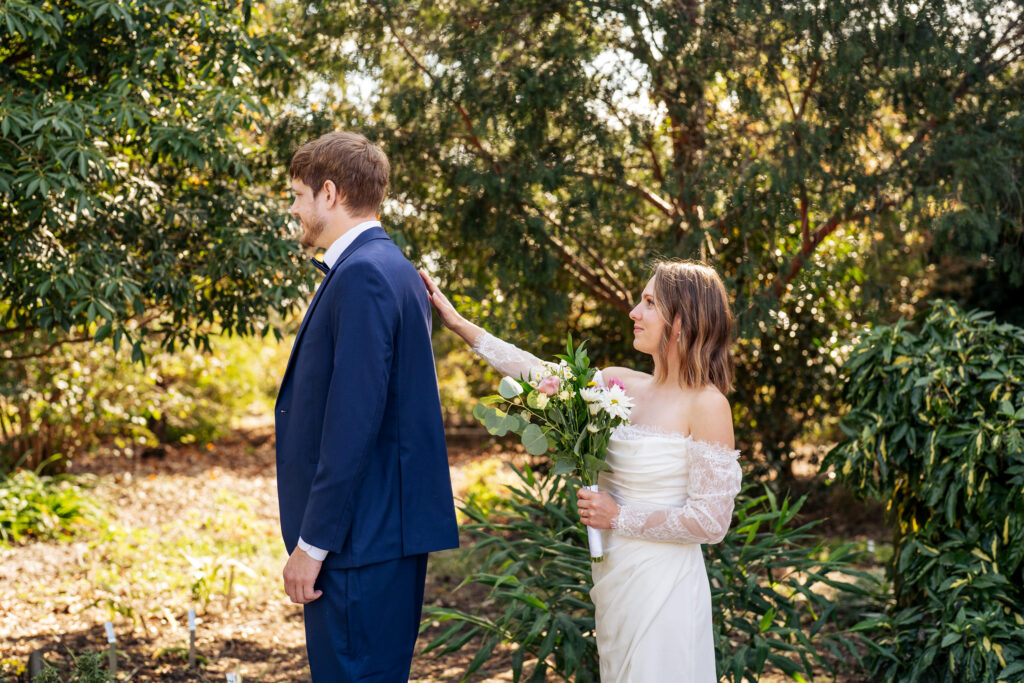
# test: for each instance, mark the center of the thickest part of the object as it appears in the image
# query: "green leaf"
(950, 638)
(534, 441)
(563, 465)
(509, 388)
(103, 332)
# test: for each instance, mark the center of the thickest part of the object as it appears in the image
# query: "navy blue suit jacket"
(362, 468)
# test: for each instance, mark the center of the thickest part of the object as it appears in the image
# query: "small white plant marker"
(191, 639)
(111, 648)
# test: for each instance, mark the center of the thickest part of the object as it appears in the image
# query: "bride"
(673, 480)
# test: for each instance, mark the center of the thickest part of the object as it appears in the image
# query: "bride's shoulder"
(630, 378)
(711, 417)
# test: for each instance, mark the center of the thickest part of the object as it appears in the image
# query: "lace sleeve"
(715, 478)
(506, 358)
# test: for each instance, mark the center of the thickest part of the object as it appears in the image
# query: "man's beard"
(311, 231)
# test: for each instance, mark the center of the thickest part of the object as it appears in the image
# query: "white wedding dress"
(651, 595)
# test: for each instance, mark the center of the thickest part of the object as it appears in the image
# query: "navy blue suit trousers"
(364, 626)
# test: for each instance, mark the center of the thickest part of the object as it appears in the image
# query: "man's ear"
(331, 194)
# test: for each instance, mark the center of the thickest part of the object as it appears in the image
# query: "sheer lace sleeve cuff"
(715, 479)
(504, 357)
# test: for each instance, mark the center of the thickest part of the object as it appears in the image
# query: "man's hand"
(300, 574)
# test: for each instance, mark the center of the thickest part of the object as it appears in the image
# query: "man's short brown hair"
(358, 168)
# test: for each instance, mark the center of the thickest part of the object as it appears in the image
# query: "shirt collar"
(339, 246)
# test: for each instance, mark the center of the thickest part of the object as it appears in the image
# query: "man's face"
(310, 212)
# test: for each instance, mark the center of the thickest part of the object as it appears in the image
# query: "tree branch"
(808, 88)
(51, 347)
(16, 58)
(819, 235)
(458, 107)
(649, 144)
(658, 202)
(618, 299)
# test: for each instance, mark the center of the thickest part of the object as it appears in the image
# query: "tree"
(128, 206)
(545, 152)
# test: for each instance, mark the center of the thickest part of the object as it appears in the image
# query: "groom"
(362, 470)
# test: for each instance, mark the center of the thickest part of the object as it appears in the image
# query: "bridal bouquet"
(561, 408)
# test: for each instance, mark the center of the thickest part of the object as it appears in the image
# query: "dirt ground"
(48, 600)
(52, 596)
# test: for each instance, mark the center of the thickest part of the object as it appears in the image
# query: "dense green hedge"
(935, 432)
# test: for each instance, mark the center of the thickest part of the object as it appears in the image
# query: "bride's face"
(648, 325)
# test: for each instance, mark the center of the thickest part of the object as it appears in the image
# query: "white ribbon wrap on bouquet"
(594, 538)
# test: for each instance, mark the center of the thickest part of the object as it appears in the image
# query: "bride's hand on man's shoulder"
(449, 316)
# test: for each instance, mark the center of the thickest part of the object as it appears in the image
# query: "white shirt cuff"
(314, 552)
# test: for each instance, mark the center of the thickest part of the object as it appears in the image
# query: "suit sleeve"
(364, 315)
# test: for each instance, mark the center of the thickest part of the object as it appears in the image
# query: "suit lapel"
(363, 238)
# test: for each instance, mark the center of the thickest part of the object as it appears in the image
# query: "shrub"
(934, 431)
(87, 667)
(79, 397)
(42, 507)
(778, 593)
(536, 564)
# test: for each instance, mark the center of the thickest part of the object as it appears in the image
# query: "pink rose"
(616, 382)
(549, 385)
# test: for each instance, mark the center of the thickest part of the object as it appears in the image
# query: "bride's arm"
(502, 356)
(714, 482)
(715, 479)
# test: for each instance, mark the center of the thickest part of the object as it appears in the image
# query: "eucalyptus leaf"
(534, 440)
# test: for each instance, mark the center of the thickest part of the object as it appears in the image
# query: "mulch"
(47, 601)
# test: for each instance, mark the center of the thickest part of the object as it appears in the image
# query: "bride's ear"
(677, 329)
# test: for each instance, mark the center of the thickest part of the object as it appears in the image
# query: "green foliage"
(935, 430)
(87, 667)
(42, 507)
(214, 548)
(778, 594)
(77, 398)
(770, 591)
(536, 563)
(461, 377)
(127, 201)
(545, 152)
(484, 484)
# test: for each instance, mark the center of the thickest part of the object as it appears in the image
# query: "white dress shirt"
(339, 246)
(331, 257)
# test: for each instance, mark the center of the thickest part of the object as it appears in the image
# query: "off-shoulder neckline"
(640, 431)
(651, 430)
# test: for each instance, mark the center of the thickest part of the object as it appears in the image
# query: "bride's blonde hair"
(693, 293)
